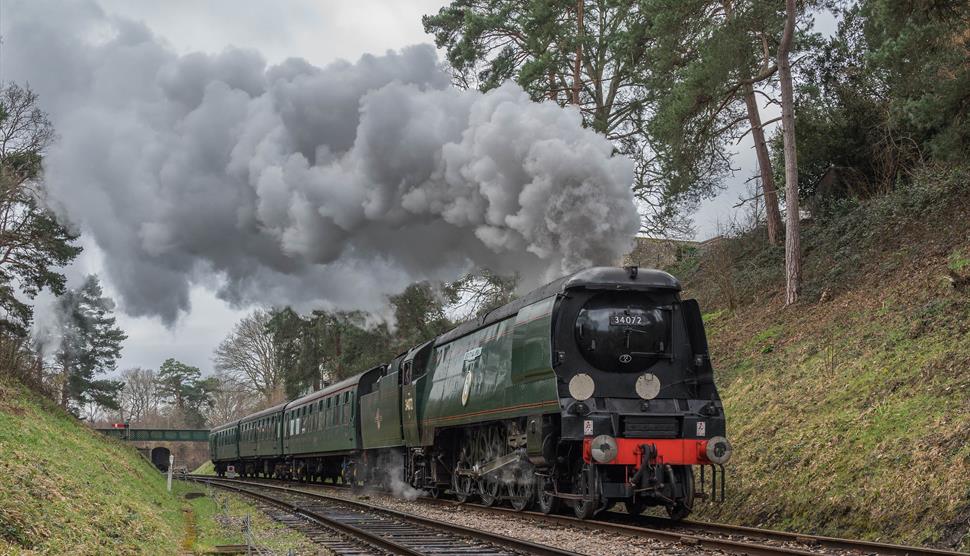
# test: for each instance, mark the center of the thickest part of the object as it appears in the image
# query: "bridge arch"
(159, 457)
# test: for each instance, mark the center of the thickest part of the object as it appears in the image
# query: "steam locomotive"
(594, 389)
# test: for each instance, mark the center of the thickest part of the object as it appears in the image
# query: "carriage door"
(413, 375)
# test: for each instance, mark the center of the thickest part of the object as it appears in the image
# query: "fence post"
(171, 463)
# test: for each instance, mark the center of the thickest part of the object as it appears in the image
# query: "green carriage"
(319, 431)
(260, 444)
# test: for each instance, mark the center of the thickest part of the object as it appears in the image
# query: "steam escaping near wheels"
(301, 185)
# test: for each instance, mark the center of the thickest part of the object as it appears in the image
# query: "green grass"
(855, 421)
(850, 411)
(221, 517)
(205, 469)
(65, 489)
(959, 262)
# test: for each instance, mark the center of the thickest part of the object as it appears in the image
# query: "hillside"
(67, 489)
(849, 411)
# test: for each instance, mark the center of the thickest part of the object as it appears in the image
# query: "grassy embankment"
(850, 412)
(205, 469)
(66, 489)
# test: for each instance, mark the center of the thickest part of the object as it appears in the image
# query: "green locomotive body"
(500, 371)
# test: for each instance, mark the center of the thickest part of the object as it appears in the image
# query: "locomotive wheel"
(520, 491)
(462, 485)
(683, 506)
(489, 490)
(586, 486)
(548, 502)
(492, 445)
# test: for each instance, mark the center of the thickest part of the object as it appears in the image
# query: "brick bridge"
(189, 446)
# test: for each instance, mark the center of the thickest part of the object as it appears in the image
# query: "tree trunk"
(764, 166)
(793, 263)
(579, 51)
(338, 352)
(65, 391)
(761, 148)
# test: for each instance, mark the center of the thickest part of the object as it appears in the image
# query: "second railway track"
(369, 529)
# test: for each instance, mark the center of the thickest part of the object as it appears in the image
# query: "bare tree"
(249, 355)
(477, 293)
(793, 265)
(230, 401)
(139, 398)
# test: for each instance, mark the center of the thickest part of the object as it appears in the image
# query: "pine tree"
(591, 55)
(184, 388)
(34, 246)
(90, 344)
(711, 62)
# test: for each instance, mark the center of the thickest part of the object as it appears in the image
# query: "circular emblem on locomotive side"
(626, 358)
(581, 387)
(466, 389)
(648, 386)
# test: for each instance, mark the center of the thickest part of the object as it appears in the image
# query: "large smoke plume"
(297, 184)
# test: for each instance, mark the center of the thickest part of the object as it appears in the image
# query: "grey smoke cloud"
(295, 184)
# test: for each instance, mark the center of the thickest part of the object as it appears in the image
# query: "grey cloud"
(313, 186)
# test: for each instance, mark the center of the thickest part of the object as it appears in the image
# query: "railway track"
(708, 536)
(729, 538)
(350, 527)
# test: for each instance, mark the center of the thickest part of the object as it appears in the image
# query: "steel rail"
(710, 543)
(685, 532)
(511, 543)
(634, 524)
(786, 536)
(355, 533)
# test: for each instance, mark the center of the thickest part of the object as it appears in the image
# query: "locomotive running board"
(492, 466)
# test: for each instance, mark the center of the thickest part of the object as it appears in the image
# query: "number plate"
(620, 319)
(588, 427)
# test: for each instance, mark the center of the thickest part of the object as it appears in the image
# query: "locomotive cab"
(640, 410)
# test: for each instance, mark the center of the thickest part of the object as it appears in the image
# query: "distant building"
(649, 252)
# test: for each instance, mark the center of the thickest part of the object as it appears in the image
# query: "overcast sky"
(319, 31)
